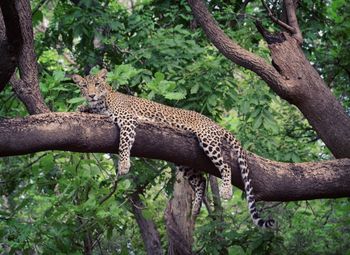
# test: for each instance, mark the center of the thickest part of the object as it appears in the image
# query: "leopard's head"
(93, 87)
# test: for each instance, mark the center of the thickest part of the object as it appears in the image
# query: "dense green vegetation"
(51, 200)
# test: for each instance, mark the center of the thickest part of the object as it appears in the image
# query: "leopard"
(127, 111)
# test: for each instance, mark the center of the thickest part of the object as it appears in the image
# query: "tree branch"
(292, 20)
(277, 21)
(27, 87)
(148, 229)
(10, 40)
(292, 77)
(272, 181)
(236, 53)
(38, 6)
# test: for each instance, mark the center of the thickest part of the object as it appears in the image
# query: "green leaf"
(58, 76)
(47, 162)
(159, 76)
(257, 122)
(37, 18)
(76, 100)
(175, 95)
(245, 106)
(194, 88)
(147, 214)
(295, 158)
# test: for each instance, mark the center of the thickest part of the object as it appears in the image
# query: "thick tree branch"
(273, 181)
(10, 40)
(292, 77)
(236, 53)
(27, 87)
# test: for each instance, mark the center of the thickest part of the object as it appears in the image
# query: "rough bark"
(27, 87)
(179, 223)
(88, 249)
(292, 77)
(214, 186)
(312, 97)
(10, 40)
(272, 181)
(292, 19)
(147, 227)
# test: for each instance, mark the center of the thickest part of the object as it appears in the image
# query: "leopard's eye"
(84, 85)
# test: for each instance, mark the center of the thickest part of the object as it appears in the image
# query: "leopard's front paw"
(83, 108)
(123, 167)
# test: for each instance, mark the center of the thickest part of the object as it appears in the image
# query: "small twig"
(158, 193)
(114, 188)
(241, 13)
(327, 215)
(271, 206)
(99, 246)
(36, 160)
(38, 6)
(290, 29)
(244, 4)
(207, 205)
(312, 210)
(69, 59)
(135, 196)
(100, 167)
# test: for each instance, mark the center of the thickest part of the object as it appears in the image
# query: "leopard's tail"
(242, 162)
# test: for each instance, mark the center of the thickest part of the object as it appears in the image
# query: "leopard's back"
(149, 111)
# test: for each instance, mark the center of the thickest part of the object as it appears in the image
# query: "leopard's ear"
(103, 73)
(77, 79)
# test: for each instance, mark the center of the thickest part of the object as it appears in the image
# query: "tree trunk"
(10, 40)
(148, 229)
(312, 97)
(88, 245)
(27, 87)
(179, 223)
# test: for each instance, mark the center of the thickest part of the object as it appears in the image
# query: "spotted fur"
(197, 183)
(127, 111)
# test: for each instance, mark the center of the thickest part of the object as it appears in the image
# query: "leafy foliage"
(52, 201)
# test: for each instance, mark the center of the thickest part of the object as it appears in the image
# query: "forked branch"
(27, 86)
(236, 53)
(277, 21)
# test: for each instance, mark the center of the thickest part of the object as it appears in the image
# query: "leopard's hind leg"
(211, 145)
(197, 183)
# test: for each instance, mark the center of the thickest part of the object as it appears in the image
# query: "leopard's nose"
(92, 95)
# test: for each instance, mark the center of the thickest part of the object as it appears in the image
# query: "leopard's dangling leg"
(211, 145)
(197, 183)
(127, 125)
